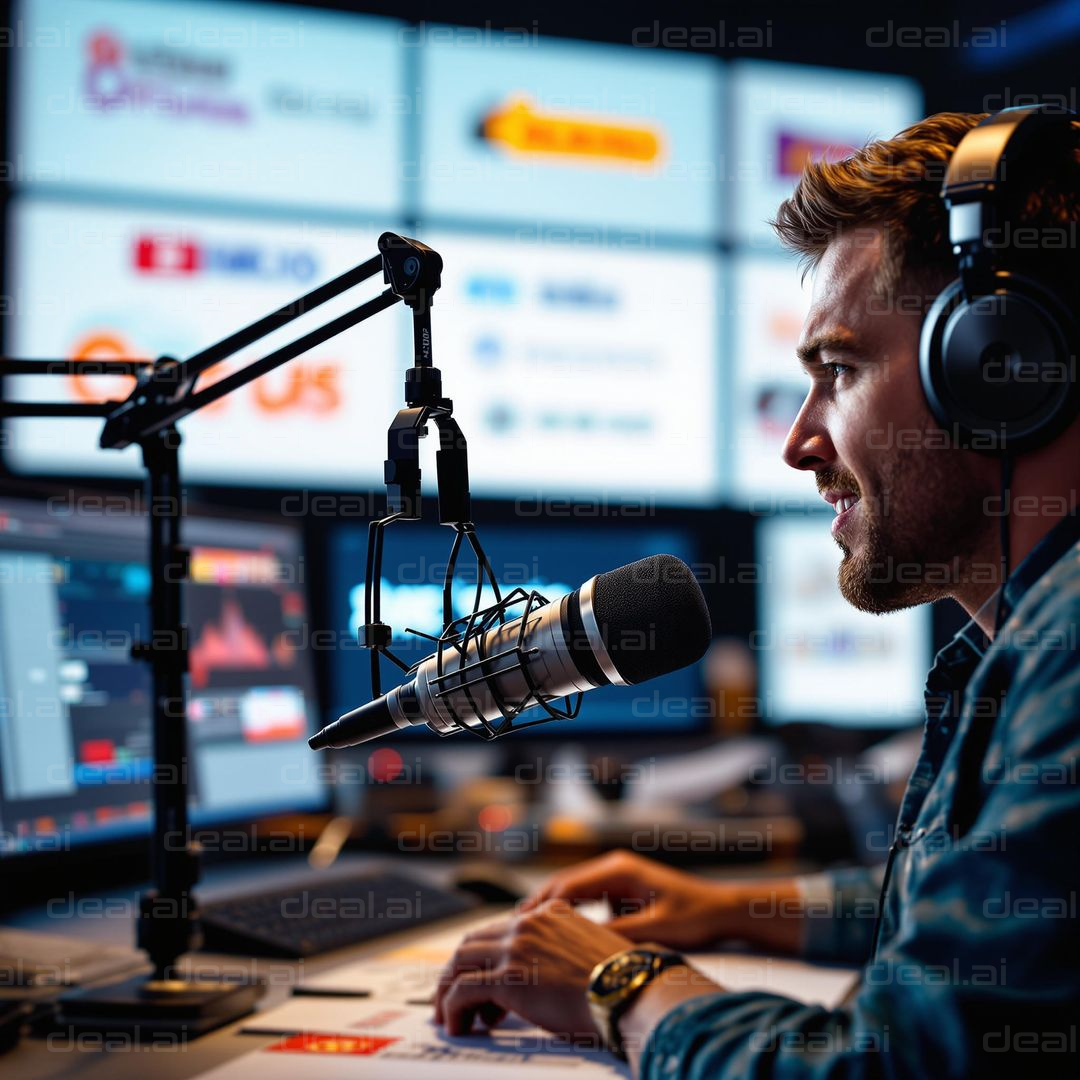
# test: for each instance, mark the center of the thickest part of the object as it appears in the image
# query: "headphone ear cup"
(931, 364)
(998, 371)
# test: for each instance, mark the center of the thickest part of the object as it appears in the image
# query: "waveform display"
(230, 642)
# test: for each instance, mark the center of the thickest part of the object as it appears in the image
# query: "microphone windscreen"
(652, 616)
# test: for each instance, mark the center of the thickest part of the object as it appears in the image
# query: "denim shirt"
(976, 965)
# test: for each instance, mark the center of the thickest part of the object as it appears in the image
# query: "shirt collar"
(1041, 557)
(953, 667)
(956, 662)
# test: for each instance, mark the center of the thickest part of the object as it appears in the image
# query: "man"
(975, 958)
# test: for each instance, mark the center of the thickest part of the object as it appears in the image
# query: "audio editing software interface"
(76, 755)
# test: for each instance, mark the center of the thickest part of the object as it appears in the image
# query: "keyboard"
(316, 916)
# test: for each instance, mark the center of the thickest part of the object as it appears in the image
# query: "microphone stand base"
(146, 1007)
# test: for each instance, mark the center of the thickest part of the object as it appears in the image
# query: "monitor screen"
(789, 114)
(819, 658)
(582, 371)
(187, 167)
(523, 129)
(257, 106)
(552, 560)
(574, 370)
(76, 755)
(114, 282)
(768, 384)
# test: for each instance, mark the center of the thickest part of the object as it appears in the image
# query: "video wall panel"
(257, 105)
(580, 370)
(769, 304)
(535, 131)
(820, 659)
(102, 282)
(788, 114)
(270, 144)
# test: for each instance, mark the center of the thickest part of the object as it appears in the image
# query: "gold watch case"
(616, 981)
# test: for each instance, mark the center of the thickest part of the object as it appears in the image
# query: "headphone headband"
(998, 348)
(976, 182)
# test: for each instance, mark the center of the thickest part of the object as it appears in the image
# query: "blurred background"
(616, 328)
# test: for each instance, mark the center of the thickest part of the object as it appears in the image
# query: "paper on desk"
(392, 984)
(323, 1037)
(402, 981)
(395, 1040)
(792, 978)
(410, 973)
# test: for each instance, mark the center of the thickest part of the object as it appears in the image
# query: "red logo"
(315, 1043)
(166, 255)
(105, 49)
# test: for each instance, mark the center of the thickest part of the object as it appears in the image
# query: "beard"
(919, 527)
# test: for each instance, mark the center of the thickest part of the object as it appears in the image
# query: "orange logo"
(519, 128)
(94, 388)
(311, 387)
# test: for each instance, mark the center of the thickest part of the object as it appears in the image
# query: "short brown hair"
(896, 184)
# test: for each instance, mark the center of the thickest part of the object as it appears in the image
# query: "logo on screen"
(521, 129)
(180, 255)
(163, 80)
(303, 387)
(795, 152)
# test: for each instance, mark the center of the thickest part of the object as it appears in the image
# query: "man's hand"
(649, 901)
(536, 964)
(653, 902)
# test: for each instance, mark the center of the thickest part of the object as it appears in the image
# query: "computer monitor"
(76, 754)
(582, 371)
(553, 560)
(768, 385)
(820, 659)
(222, 159)
(789, 114)
(135, 282)
(590, 135)
(575, 370)
(268, 106)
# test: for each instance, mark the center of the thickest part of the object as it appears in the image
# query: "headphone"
(998, 348)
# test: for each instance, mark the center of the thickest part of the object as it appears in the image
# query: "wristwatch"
(616, 982)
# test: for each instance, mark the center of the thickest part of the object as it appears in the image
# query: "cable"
(1006, 482)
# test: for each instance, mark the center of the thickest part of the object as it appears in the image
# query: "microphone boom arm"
(165, 392)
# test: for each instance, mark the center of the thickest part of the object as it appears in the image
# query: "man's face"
(865, 431)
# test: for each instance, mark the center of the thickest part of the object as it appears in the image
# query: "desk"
(93, 1058)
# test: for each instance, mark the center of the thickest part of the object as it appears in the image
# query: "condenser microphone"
(621, 628)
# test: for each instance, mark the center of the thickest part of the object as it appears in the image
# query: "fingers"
(488, 949)
(640, 927)
(474, 993)
(471, 956)
(614, 875)
(497, 928)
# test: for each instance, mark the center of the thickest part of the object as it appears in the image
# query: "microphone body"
(620, 628)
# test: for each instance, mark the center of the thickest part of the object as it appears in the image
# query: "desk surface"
(93, 1056)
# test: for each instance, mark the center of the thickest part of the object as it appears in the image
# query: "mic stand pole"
(164, 935)
(165, 392)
